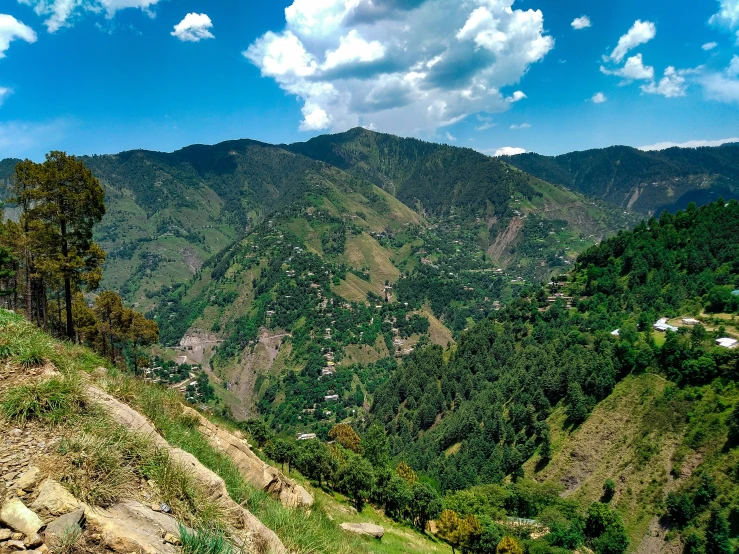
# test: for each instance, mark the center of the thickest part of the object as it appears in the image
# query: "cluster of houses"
(663, 326)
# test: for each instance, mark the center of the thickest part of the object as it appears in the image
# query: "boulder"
(368, 529)
(33, 541)
(251, 467)
(130, 526)
(67, 524)
(29, 479)
(17, 516)
(54, 500)
(5, 534)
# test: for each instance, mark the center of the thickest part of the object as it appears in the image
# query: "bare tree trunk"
(28, 284)
(67, 283)
(42, 299)
(59, 310)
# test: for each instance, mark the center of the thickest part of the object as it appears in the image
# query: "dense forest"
(648, 182)
(435, 177)
(491, 399)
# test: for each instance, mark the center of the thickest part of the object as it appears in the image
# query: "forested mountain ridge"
(648, 182)
(170, 212)
(523, 384)
(432, 177)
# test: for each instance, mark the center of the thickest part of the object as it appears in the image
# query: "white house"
(690, 321)
(663, 326)
(727, 342)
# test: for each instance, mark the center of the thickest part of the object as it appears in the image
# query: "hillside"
(245, 253)
(571, 386)
(167, 213)
(646, 182)
(96, 461)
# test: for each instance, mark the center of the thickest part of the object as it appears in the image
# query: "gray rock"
(17, 516)
(67, 524)
(368, 529)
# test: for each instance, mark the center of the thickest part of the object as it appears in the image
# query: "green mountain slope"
(549, 391)
(647, 182)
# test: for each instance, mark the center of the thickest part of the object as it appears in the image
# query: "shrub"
(508, 545)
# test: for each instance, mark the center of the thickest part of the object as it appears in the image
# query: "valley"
(477, 343)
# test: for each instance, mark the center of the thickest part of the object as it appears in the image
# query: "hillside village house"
(727, 342)
(663, 326)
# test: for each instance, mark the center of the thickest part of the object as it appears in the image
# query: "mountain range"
(487, 322)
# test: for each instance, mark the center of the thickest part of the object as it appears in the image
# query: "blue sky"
(550, 76)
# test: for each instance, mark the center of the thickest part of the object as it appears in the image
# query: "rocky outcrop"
(130, 419)
(368, 529)
(254, 470)
(132, 527)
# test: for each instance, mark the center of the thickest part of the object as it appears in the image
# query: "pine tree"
(717, 534)
(65, 201)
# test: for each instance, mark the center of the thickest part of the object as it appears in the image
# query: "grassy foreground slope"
(44, 392)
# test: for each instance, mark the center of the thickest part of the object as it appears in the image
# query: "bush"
(508, 545)
(609, 490)
(680, 509)
(613, 541)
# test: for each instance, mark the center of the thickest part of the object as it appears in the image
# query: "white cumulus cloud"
(522, 126)
(409, 66)
(11, 29)
(509, 151)
(193, 28)
(633, 70)
(688, 144)
(516, 96)
(727, 16)
(60, 13)
(709, 46)
(599, 98)
(640, 33)
(723, 86)
(671, 85)
(580, 23)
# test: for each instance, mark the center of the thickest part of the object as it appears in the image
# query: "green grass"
(204, 541)
(51, 401)
(301, 531)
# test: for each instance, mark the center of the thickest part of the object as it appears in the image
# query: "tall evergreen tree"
(717, 534)
(66, 200)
